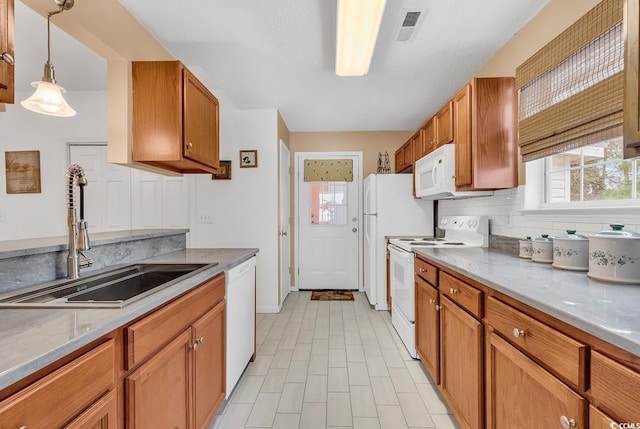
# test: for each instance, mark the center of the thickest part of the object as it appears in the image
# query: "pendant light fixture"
(48, 99)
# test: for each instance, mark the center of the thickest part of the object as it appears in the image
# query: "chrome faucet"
(78, 233)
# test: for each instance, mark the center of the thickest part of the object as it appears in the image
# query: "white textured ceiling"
(281, 54)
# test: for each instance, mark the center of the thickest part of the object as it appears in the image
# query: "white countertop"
(30, 339)
(605, 310)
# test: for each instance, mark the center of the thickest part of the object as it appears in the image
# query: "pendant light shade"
(48, 99)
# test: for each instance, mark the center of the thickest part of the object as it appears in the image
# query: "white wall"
(507, 219)
(44, 214)
(243, 212)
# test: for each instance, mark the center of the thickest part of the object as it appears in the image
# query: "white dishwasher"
(241, 316)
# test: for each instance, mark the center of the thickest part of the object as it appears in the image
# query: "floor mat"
(332, 295)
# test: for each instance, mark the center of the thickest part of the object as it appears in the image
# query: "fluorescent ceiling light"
(358, 25)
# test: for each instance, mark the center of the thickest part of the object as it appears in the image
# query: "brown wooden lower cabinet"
(520, 393)
(428, 327)
(209, 370)
(599, 420)
(183, 384)
(101, 415)
(63, 395)
(158, 392)
(461, 364)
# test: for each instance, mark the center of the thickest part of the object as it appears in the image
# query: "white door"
(328, 220)
(108, 194)
(285, 222)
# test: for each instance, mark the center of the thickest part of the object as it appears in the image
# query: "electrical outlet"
(1, 217)
(509, 219)
(205, 218)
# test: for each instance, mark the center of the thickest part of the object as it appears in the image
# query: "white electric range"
(460, 232)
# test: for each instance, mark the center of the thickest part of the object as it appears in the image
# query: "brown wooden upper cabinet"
(485, 134)
(428, 138)
(175, 119)
(443, 125)
(404, 157)
(7, 48)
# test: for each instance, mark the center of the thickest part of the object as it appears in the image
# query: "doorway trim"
(296, 203)
(284, 220)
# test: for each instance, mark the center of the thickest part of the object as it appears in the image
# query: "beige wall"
(370, 143)
(552, 20)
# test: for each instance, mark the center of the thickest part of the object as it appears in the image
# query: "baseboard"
(275, 309)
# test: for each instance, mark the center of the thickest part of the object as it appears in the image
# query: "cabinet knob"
(518, 333)
(189, 145)
(438, 307)
(432, 301)
(453, 291)
(8, 58)
(421, 270)
(200, 340)
(566, 422)
(194, 346)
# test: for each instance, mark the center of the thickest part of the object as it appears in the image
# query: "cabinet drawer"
(147, 335)
(466, 296)
(614, 388)
(427, 271)
(561, 354)
(60, 396)
(598, 420)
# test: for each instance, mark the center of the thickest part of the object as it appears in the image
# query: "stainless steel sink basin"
(114, 288)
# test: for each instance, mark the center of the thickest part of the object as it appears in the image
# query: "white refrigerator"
(389, 209)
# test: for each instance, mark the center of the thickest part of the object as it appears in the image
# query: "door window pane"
(328, 203)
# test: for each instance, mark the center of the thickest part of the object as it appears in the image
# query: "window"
(328, 203)
(592, 173)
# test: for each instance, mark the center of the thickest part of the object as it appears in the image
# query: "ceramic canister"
(526, 248)
(542, 249)
(614, 256)
(571, 251)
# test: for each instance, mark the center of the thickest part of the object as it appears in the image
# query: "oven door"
(401, 266)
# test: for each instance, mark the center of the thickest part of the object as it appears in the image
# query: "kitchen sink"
(114, 288)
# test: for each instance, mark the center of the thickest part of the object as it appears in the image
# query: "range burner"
(460, 231)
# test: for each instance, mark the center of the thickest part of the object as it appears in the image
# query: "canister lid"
(616, 232)
(526, 240)
(571, 235)
(543, 237)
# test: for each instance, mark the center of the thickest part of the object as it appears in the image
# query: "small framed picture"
(224, 171)
(248, 158)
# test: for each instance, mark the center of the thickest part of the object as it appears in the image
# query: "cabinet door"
(599, 420)
(428, 328)
(101, 415)
(408, 154)
(521, 393)
(209, 367)
(461, 364)
(444, 125)
(159, 391)
(428, 137)
(7, 71)
(462, 136)
(418, 145)
(200, 122)
(400, 159)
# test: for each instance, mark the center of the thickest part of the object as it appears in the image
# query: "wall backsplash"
(505, 217)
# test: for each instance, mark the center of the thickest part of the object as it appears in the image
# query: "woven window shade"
(328, 170)
(571, 91)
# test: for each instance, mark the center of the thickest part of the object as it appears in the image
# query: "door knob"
(283, 233)
(355, 219)
(354, 229)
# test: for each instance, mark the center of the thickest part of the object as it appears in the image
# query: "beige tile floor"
(332, 364)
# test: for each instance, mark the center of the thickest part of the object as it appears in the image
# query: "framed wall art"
(224, 171)
(248, 158)
(23, 172)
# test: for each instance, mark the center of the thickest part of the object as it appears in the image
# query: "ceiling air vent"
(410, 21)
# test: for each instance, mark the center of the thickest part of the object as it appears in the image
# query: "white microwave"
(435, 176)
